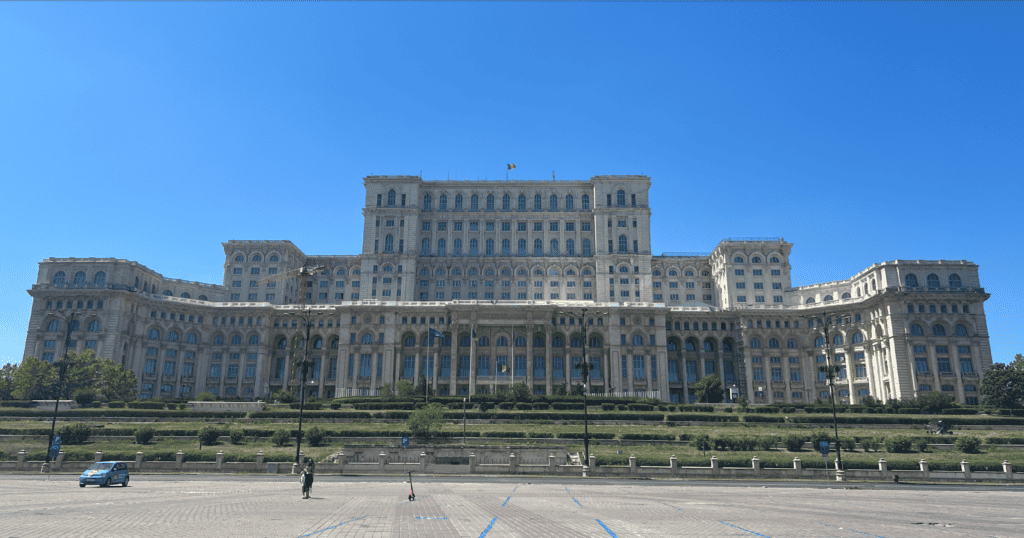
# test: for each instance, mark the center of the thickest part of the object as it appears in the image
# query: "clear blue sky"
(861, 132)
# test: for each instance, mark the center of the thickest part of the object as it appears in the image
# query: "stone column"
(924, 468)
(21, 459)
(60, 460)
(549, 362)
(382, 461)
(423, 462)
(593, 462)
(673, 465)
(883, 467)
(416, 364)
(965, 466)
(179, 459)
(529, 357)
(1008, 469)
(472, 463)
(756, 464)
(632, 464)
(259, 459)
(98, 456)
(472, 360)
(220, 460)
(513, 465)
(138, 461)
(714, 466)
(798, 467)
(553, 466)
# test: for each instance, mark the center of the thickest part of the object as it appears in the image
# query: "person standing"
(306, 478)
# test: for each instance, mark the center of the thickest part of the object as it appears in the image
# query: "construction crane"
(302, 273)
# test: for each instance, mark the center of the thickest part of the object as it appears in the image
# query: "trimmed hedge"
(649, 436)
(579, 435)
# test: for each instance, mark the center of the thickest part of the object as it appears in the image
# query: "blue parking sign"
(55, 447)
(405, 442)
(823, 447)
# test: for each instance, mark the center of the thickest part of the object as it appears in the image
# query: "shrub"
(701, 442)
(607, 406)
(766, 442)
(506, 405)
(523, 406)
(116, 405)
(542, 406)
(75, 434)
(794, 442)
(206, 397)
(315, 436)
(870, 443)
(237, 437)
(848, 443)
(485, 406)
(280, 438)
(208, 435)
(968, 444)
(898, 444)
(85, 397)
(144, 435)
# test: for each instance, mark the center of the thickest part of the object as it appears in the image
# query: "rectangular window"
(944, 366)
(794, 374)
(483, 365)
(776, 374)
(921, 365)
(741, 298)
(739, 272)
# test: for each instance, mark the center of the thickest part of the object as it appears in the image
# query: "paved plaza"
(270, 506)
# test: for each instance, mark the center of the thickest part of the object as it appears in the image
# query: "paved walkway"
(261, 506)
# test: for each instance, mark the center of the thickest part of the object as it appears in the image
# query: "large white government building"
(507, 270)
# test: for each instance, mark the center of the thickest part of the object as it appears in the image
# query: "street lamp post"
(831, 370)
(464, 421)
(63, 365)
(585, 367)
(304, 367)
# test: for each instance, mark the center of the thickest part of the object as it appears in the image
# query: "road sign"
(823, 447)
(55, 447)
(405, 442)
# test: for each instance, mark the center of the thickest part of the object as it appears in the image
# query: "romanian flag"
(475, 339)
(511, 166)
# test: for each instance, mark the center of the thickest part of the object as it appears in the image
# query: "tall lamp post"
(63, 364)
(584, 367)
(303, 366)
(831, 370)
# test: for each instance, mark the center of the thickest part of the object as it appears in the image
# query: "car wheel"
(106, 483)
(81, 484)
(125, 483)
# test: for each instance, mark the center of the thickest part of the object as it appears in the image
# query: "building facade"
(523, 279)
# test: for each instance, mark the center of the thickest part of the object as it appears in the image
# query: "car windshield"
(101, 466)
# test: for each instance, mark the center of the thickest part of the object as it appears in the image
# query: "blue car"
(105, 473)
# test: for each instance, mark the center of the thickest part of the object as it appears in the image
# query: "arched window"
(410, 340)
(522, 202)
(570, 247)
(203, 298)
(185, 295)
(688, 273)
(819, 341)
(672, 272)
(154, 334)
(442, 202)
(916, 330)
(773, 342)
(961, 330)
(94, 326)
(657, 272)
(709, 345)
(79, 278)
(100, 278)
(506, 202)
(74, 325)
(274, 258)
(846, 295)
(933, 281)
(727, 345)
(568, 202)
(622, 243)
(755, 259)
(426, 202)
(691, 345)
(521, 341)
(168, 293)
(828, 298)
(490, 247)
(334, 343)
(257, 258)
(191, 338)
(522, 247)
(595, 341)
(389, 243)
(506, 247)
(474, 246)
(872, 284)
(239, 258)
(553, 203)
(236, 340)
(282, 343)
(58, 279)
(810, 300)
(457, 247)
(638, 340)
(938, 330)
(367, 338)
(538, 341)
(537, 203)
(425, 247)
(910, 280)
(737, 259)
(672, 346)
(755, 343)
(474, 203)
(318, 343)
(585, 202)
(440, 247)
(585, 251)
(554, 247)
(857, 338)
(391, 198)
(172, 336)
(458, 202)
(791, 343)
(484, 341)
(620, 198)
(490, 202)
(254, 340)
(837, 339)
(538, 247)
(501, 341)
(557, 341)
(774, 259)
(954, 281)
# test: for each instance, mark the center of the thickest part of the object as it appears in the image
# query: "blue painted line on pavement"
(606, 528)
(432, 517)
(573, 498)
(488, 529)
(332, 527)
(506, 500)
(851, 530)
(744, 530)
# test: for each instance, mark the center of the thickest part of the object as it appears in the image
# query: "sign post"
(55, 447)
(823, 448)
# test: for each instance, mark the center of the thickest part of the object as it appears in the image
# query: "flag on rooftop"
(511, 166)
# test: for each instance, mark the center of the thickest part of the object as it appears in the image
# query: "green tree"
(405, 389)
(7, 381)
(426, 421)
(387, 393)
(1003, 384)
(577, 390)
(34, 380)
(521, 392)
(933, 402)
(708, 390)
(421, 386)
